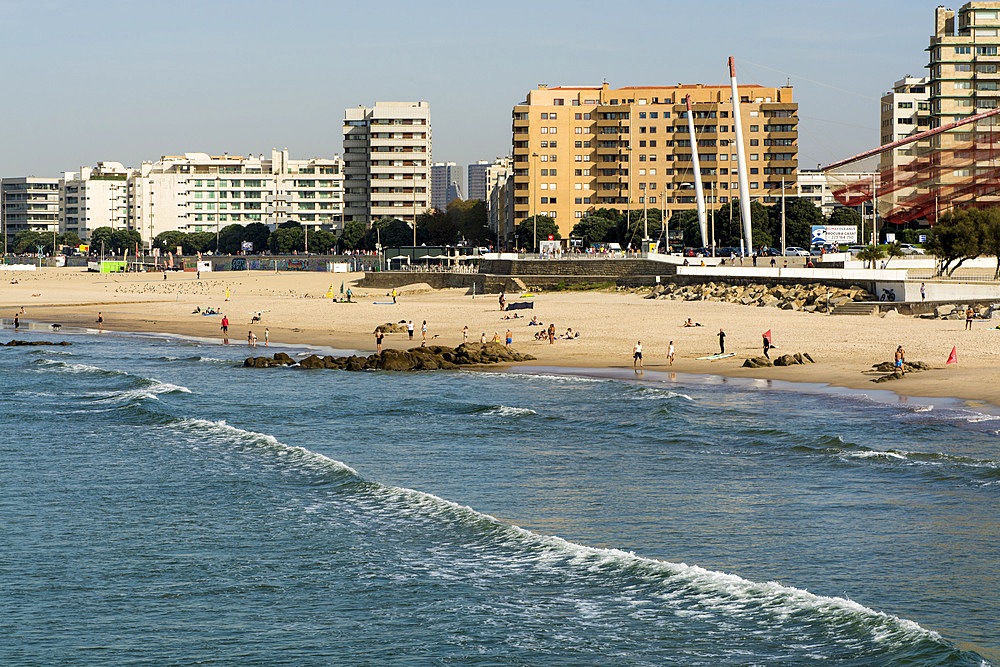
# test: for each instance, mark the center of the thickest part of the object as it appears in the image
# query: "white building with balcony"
(387, 153)
(198, 192)
(94, 197)
(28, 203)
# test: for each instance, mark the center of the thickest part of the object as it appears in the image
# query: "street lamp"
(531, 209)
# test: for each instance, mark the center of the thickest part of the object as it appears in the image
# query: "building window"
(986, 50)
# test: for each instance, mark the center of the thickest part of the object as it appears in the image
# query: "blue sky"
(132, 80)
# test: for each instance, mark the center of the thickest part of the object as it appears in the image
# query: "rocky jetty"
(19, 343)
(784, 360)
(430, 358)
(951, 311)
(809, 298)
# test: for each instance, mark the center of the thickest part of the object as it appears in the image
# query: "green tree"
(353, 234)
(27, 242)
(990, 240)
(800, 216)
(231, 238)
(101, 236)
(525, 230)
(471, 218)
(439, 228)
(893, 250)
(196, 242)
(285, 240)
(594, 229)
(956, 237)
(168, 241)
(125, 239)
(321, 241)
(256, 233)
(69, 239)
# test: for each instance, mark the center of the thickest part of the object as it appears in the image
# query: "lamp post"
(532, 209)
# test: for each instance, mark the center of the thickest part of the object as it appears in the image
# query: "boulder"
(944, 309)
(432, 357)
(20, 343)
(892, 312)
(787, 360)
(896, 375)
(757, 362)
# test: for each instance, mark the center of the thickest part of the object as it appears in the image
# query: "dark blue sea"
(160, 504)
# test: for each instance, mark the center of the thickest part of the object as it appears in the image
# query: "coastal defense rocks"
(893, 373)
(811, 298)
(19, 343)
(796, 359)
(430, 358)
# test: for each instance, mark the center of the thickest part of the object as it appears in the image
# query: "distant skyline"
(131, 81)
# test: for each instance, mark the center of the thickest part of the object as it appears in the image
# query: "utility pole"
(532, 209)
(782, 217)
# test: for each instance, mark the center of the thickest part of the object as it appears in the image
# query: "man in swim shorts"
(637, 354)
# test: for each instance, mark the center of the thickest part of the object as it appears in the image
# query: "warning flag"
(767, 335)
(953, 357)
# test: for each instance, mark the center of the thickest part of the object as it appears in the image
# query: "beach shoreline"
(296, 311)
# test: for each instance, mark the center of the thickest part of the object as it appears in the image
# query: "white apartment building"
(28, 203)
(199, 192)
(387, 154)
(94, 197)
(499, 197)
(906, 110)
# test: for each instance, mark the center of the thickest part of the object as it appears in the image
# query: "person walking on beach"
(409, 329)
(465, 334)
(349, 295)
(394, 295)
(637, 355)
(670, 353)
(503, 301)
(722, 341)
(378, 340)
(510, 338)
(423, 330)
(969, 316)
(267, 336)
(100, 322)
(767, 346)
(225, 326)
(898, 360)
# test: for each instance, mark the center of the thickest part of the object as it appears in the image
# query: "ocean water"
(160, 504)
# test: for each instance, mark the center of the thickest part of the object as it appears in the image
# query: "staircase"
(855, 308)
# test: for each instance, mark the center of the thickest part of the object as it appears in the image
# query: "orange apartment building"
(580, 148)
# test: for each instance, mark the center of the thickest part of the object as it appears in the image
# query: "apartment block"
(499, 197)
(906, 110)
(964, 80)
(29, 203)
(387, 154)
(94, 197)
(579, 148)
(446, 184)
(197, 192)
(477, 179)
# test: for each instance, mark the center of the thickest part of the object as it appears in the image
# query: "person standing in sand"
(409, 329)
(552, 333)
(423, 330)
(722, 341)
(267, 336)
(510, 338)
(378, 340)
(767, 346)
(465, 334)
(637, 355)
(969, 316)
(100, 322)
(670, 353)
(225, 326)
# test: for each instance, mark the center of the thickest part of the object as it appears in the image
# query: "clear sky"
(131, 80)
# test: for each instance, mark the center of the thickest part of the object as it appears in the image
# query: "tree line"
(609, 225)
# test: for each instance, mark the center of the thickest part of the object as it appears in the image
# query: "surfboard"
(714, 357)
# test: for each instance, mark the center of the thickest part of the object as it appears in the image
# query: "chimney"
(944, 21)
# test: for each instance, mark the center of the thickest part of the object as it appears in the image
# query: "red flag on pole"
(767, 335)
(953, 357)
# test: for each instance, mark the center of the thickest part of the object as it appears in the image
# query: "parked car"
(795, 251)
(910, 249)
(855, 249)
(821, 248)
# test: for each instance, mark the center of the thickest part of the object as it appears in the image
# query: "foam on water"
(507, 411)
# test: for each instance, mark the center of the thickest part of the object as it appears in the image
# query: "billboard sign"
(246, 246)
(834, 234)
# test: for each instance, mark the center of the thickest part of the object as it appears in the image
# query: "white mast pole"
(699, 195)
(741, 159)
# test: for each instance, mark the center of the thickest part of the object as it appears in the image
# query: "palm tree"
(893, 250)
(871, 254)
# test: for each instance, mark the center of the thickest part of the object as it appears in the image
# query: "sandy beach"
(295, 309)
